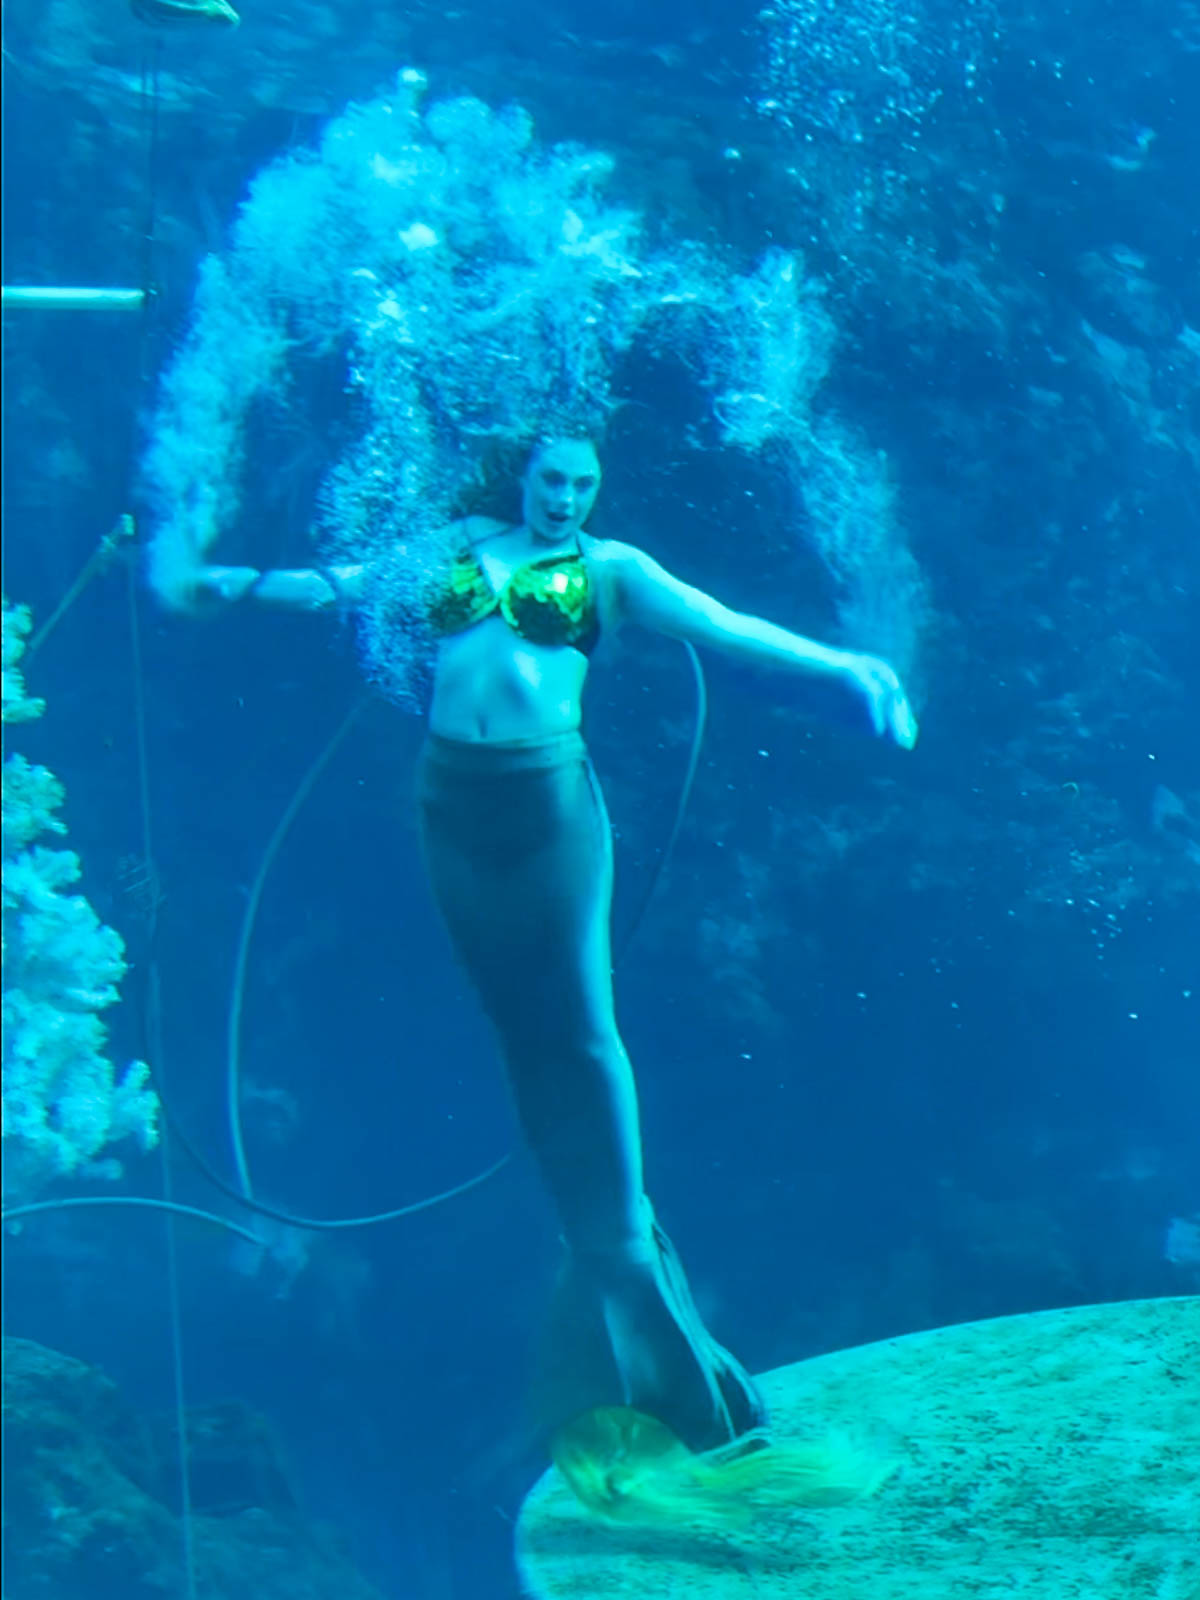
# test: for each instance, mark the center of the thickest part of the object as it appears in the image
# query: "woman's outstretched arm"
(289, 588)
(646, 594)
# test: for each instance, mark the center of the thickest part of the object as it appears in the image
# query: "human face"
(560, 487)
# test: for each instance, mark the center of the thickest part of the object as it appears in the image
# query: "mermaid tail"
(627, 1467)
(520, 858)
(744, 1407)
(624, 1331)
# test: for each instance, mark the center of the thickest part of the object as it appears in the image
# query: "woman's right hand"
(222, 586)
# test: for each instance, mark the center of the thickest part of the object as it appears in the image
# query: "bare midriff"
(490, 685)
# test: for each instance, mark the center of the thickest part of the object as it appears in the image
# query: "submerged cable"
(154, 1021)
(143, 1202)
(233, 1057)
(105, 552)
(699, 724)
(236, 1000)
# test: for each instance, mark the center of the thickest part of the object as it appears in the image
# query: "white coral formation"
(63, 1101)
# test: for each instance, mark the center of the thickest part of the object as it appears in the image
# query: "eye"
(553, 479)
(585, 484)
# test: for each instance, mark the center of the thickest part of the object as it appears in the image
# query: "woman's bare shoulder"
(474, 529)
(610, 552)
(611, 563)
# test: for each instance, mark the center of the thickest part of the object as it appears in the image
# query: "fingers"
(904, 727)
(890, 707)
(887, 704)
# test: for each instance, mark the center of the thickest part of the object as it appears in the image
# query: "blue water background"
(885, 1085)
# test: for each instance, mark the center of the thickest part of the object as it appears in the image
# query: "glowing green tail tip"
(627, 1467)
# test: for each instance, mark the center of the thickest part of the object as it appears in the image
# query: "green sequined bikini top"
(548, 601)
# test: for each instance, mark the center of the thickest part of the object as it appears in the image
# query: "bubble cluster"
(474, 284)
(848, 69)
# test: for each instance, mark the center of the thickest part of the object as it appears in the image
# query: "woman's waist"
(504, 708)
(496, 801)
(532, 752)
(503, 721)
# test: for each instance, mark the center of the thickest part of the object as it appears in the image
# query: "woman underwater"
(519, 855)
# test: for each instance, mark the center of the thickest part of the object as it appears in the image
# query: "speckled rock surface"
(1052, 1456)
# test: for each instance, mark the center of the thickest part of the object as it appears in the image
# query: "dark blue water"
(916, 1035)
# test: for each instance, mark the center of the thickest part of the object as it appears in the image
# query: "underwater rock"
(1055, 1455)
(1117, 284)
(91, 1491)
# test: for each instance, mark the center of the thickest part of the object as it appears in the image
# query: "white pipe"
(20, 298)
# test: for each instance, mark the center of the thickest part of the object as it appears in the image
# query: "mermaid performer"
(519, 855)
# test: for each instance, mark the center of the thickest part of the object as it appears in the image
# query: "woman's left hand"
(887, 704)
